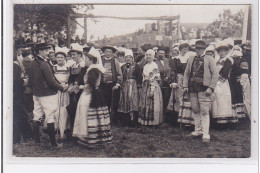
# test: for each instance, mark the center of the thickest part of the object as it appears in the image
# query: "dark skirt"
(97, 119)
(238, 106)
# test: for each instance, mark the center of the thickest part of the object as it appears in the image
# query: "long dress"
(222, 104)
(62, 74)
(92, 121)
(238, 106)
(129, 97)
(151, 108)
(246, 85)
(182, 106)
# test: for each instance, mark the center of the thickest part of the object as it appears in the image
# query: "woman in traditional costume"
(246, 85)
(238, 106)
(129, 97)
(151, 104)
(222, 104)
(92, 122)
(62, 74)
(177, 102)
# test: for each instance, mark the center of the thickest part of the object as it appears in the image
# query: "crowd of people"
(78, 92)
(227, 25)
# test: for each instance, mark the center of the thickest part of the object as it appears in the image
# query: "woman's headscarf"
(150, 51)
(94, 52)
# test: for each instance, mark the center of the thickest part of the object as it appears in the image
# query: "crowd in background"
(79, 91)
(227, 25)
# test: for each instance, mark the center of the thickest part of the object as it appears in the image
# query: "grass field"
(165, 141)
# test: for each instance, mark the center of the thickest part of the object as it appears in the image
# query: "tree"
(52, 18)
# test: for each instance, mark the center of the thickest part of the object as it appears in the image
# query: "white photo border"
(7, 89)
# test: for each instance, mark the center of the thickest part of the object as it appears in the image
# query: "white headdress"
(150, 51)
(94, 52)
(129, 52)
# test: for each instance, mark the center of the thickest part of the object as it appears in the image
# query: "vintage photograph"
(131, 81)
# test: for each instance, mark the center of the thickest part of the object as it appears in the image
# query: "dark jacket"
(165, 70)
(42, 79)
(210, 76)
(116, 69)
(17, 84)
(79, 77)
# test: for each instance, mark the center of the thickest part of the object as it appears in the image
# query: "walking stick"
(182, 110)
(60, 104)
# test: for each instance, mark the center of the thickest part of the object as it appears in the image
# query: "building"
(148, 35)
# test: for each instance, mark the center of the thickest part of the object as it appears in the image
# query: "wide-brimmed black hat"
(42, 46)
(108, 47)
(182, 45)
(146, 47)
(26, 52)
(86, 49)
(200, 44)
(161, 48)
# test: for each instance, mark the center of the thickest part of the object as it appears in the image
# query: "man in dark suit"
(44, 86)
(164, 68)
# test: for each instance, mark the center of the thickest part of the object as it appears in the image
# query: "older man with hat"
(111, 79)
(200, 79)
(165, 72)
(44, 87)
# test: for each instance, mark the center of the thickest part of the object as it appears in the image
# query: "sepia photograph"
(131, 81)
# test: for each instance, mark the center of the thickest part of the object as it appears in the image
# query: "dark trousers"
(166, 93)
(112, 98)
(72, 108)
(21, 126)
(28, 102)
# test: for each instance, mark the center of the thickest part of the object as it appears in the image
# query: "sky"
(114, 27)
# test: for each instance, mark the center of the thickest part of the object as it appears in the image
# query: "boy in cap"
(44, 86)
(111, 78)
(200, 79)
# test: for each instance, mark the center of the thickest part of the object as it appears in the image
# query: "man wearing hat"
(86, 50)
(52, 58)
(200, 79)
(28, 97)
(77, 72)
(210, 50)
(165, 71)
(44, 86)
(111, 78)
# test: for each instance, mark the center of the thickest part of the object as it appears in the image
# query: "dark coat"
(42, 79)
(165, 70)
(17, 84)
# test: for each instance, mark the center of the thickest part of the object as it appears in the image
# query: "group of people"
(80, 91)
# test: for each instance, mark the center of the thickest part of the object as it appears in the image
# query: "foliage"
(51, 18)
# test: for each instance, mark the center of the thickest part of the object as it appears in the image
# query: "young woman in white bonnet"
(151, 103)
(92, 121)
(222, 104)
(62, 73)
(180, 106)
(129, 97)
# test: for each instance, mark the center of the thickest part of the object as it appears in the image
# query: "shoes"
(196, 133)
(57, 146)
(206, 138)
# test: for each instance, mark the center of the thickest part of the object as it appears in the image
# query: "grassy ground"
(163, 142)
